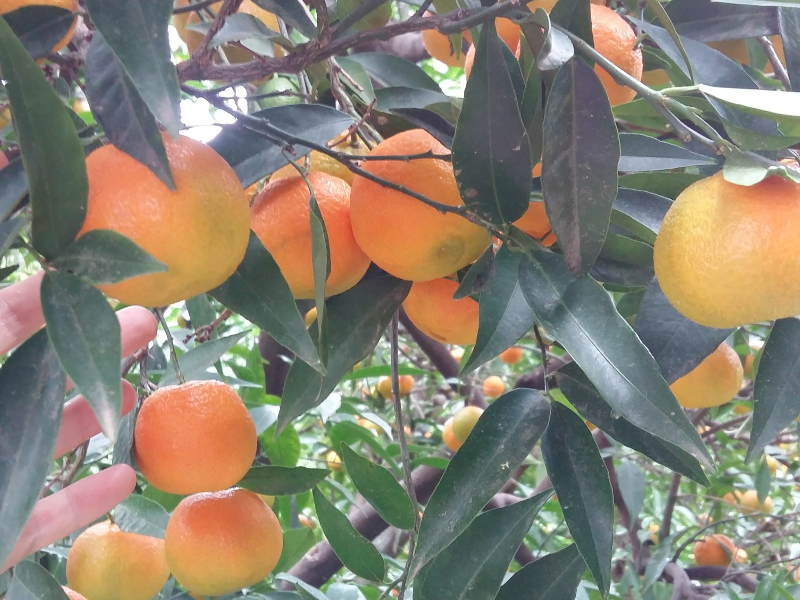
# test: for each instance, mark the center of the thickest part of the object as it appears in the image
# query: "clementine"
(430, 306)
(713, 382)
(448, 437)
(385, 385)
(512, 355)
(464, 422)
(493, 386)
(536, 224)
(717, 549)
(322, 163)
(615, 40)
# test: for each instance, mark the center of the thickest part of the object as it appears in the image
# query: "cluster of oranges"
(196, 439)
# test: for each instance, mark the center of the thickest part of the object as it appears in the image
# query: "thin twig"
(422, 9)
(203, 53)
(777, 65)
(672, 497)
(202, 333)
(160, 315)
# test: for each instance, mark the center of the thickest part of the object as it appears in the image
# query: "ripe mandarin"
(403, 236)
(713, 382)
(220, 542)
(615, 40)
(322, 163)
(448, 437)
(385, 385)
(7, 6)
(464, 422)
(281, 222)
(430, 306)
(199, 231)
(535, 222)
(717, 549)
(194, 437)
(493, 386)
(512, 355)
(441, 48)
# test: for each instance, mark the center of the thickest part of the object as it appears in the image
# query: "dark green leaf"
(668, 185)
(591, 405)
(658, 560)
(633, 485)
(32, 581)
(622, 276)
(253, 156)
(356, 320)
(579, 165)
(580, 315)
(478, 277)
(388, 70)
(347, 432)
(512, 65)
(13, 187)
(707, 21)
(124, 443)
(439, 127)
(293, 12)
(776, 394)
(201, 311)
(296, 542)
(789, 25)
(576, 16)
(473, 566)
(282, 481)
(137, 32)
(85, 334)
(353, 549)
(358, 74)
(551, 50)
(283, 450)
(240, 27)
(668, 25)
(51, 150)
(393, 98)
(578, 473)
(762, 481)
(32, 387)
(121, 111)
(500, 441)
(642, 153)
(532, 112)
(504, 314)
(379, 487)
(138, 514)
(552, 577)
(321, 267)
(491, 152)
(258, 292)
(9, 230)
(40, 27)
(640, 212)
(103, 256)
(197, 361)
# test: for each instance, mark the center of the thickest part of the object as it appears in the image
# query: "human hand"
(77, 505)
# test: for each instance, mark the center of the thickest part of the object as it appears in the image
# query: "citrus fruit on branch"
(431, 308)
(713, 382)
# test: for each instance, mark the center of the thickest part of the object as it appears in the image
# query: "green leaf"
(502, 438)
(552, 577)
(347, 432)
(633, 485)
(283, 451)
(578, 473)
(356, 320)
(772, 104)
(197, 361)
(296, 542)
(40, 27)
(201, 311)
(576, 16)
(9, 230)
(580, 315)
(142, 46)
(592, 406)
(103, 256)
(121, 111)
(32, 387)
(640, 212)
(379, 487)
(32, 581)
(388, 70)
(473, 566)
(762, 481)
(259, 293)
(478, 276)
(667, 185)
(308, 592)
(532, 111)
(504, 314)
(491, 151)
(579, 165)
(658, 560)
(85, 334)
(51, 150)
(293, 12)
(642, 153)
(358, 74)
(282, 481)
(13, 187)
(321, 267)
(353, 549)
(138, 514)
(777, 387)
(666, 22)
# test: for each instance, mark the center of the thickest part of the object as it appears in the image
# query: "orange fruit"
(440, 47)
(106, 563)
(403, 236)
(448, 437)
(194, 437)
(7, 6)
(310, 317)
(322, 163)
(536, 224)
(430, 306)
(219, 542)
(717, 549)
(493, 386)
(464, 422)
(306, 522)
(727, 255)
(199, 231)
(713, 382)
(749, 502)
(281, 222)
(742, 409)
(615, 40)
(385, 385)
(512, 355)
(334, 461)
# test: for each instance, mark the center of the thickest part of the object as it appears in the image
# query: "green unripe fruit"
(278, 84)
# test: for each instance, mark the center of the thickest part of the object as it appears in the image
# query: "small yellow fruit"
(449, 437)
(749, 501)
(772, 464)
(464, 421)
(334, 461)
(367, 424)
(493, 386)
(310, 317)
(306, 522)
(742, 409)
(653, 529)
(385, 386)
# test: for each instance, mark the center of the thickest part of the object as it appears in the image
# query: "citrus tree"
(457, 300)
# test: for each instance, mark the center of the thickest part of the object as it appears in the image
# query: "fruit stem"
(159, 312)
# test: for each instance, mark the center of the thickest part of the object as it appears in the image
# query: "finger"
(79, 422)
(20, 312)
(76, 506)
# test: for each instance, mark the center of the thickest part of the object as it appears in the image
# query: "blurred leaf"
(577, 388)
(258, 292)
(642, 153)
(577, 472)
(102, 256)
(32, 387)
(85, 334)
(293, 12)
(353, 549)
(321, 268)
(282, 481)
(621, 276)
(579, 164)
(356, 320)
(478, 277)
(39, 27)
(762, 481)
(669, 26)
(141, 515)
(358, 74)
(264, 416)
(473, 566)
(13, 187)
(640, 212)
(706, 21)
(9, 230)
(121, 111)
(439, 127)
(677, 344)
(789, 26)
(388, 70)
(379, 487)
(241, 27)
(253, 156)
(658, 560)
(668, 185)
(168, 501)
(502, 438)
(491, 152)
(32, 581)
(777, 387)
(382, 371)
(51, 150)
(283, 451)
(142, 46)
(555, 576)
(122, 447)
(347, 432)
(197, 361)
(551, 51)
(622, 248)
(633, 485)
(504, 314)
(306, 591)
(580, 315)
(776, 105)
(296, 542)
